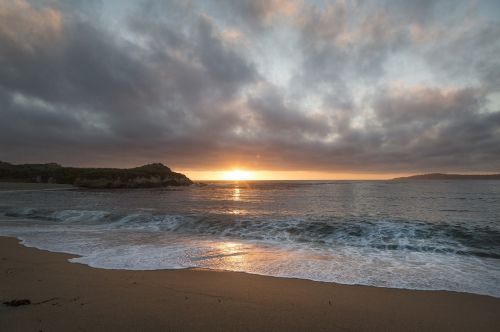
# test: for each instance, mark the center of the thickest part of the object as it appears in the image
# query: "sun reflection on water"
(236, 194)
(237, 211)
(231, 256)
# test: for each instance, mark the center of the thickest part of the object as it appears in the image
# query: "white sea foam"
(135, 249)
(435, 235)
(388, 234)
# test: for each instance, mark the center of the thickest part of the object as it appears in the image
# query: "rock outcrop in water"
(440, 176)
(152, 175)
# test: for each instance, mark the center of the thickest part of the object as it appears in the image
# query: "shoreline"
(67, 296)
(73, 255)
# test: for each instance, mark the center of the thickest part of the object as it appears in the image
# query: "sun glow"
(237, 175)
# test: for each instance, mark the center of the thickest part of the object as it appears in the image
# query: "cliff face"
(152, 175)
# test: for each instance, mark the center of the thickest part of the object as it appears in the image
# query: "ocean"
(429, 235)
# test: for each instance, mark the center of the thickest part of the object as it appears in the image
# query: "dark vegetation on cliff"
(152, 175)
(440, 176)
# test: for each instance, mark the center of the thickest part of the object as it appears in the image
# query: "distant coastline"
(441, 176)
(147, 176)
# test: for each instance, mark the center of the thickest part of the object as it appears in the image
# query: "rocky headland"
(147, 176)
(441, 176)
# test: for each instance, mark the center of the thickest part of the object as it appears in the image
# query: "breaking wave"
(382, 234)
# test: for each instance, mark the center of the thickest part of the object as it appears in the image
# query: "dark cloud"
(153, 98)
(183, 83)
(438, 127)
(275, 118)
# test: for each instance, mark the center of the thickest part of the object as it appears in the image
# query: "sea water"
(439, 235)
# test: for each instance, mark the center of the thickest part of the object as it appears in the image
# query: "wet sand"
(72, 297)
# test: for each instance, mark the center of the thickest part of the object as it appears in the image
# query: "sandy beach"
(249, 165)
(73, 297)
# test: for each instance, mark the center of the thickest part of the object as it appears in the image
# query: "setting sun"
(299, 146)
(237, 175)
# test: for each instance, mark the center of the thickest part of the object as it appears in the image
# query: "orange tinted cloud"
(27, 25)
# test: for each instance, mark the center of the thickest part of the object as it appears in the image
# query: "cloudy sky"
(313, 87)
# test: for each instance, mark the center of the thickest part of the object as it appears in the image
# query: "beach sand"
(74, 297)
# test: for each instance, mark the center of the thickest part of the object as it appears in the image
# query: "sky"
(279, 88)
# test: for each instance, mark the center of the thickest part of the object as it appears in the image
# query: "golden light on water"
(236, 194)
(230, 248)
(233, 256)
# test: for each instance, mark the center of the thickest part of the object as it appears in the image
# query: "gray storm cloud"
(357, 86)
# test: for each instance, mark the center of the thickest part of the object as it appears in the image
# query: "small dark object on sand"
(17, 303)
